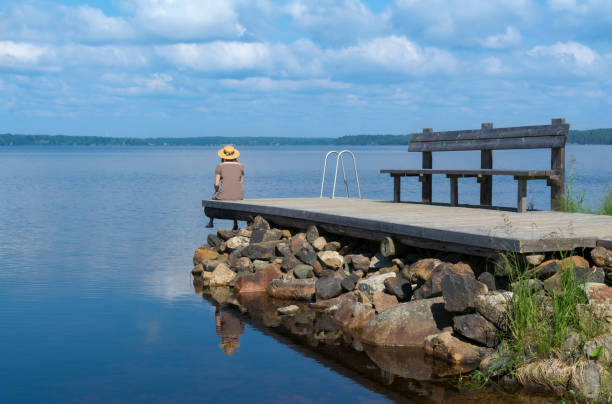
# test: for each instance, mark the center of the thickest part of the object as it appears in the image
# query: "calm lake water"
(96, 297)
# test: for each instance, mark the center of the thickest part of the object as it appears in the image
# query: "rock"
(352, 315)
(601, 257)
(226, 234)
(289, 262)
(570, 345)
(378, 262)
(554, 284)
(299, 289)
(383, 301)
(459, 292)
(488, 279)
(202, 254)
(328, 288)
(407, 324)
(585, 379)
(319, 243)
(600, 349)
(288, 310)
(197, 270)
(312, 233)
(360, 262)
(297, 242)
(221, 276)
(317, 268)
(286, 234)
(308, 257)
(550, 375)
(494, 363)
(374, 284)
(247, 282)
(259, 223)
(237, 242)
(257, 235)
(210, 265)
(331, 259)
(258, 265)
(547, 269)
(433, 286)
(363, 298)
(350, 282)
(421, 270)
(534, 259)
(533, 285)
(244, 233)
(259, 251)
(494, 307)
(399, 287)
(272, 235)
(303, 271)
(598, 293)
(213, 240)
(451, 349)
(284, 249)
(244, 264)
(332, 246)
(476, 328)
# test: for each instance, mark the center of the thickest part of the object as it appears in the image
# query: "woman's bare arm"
(217, 182)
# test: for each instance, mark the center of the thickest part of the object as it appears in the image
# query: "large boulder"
(303, 271)
(451, 349)
(554, 284)
(586, 380)
(399, 287)
(359, 262)
(494, 307)
(248, 282)
(459, 292)
(259, 251)
(331, 259)
(259, 223)
(298, 289)
(382, 301)
(349, 282)
(433, 286)
(601, 257)
(598, 293)
(327, 288)
(407, 324)
(221, 276)
(375, 283)
(476, 328)
(421, 270)
(352, 315)
(237, 242)
(204, 253)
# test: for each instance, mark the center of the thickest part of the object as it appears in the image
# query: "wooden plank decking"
(459, 229)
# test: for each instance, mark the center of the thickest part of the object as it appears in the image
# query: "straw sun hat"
(228, 152)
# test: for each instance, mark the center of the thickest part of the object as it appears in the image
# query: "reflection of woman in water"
(229, 327)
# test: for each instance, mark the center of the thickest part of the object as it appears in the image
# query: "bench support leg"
(521, 206)
(426, 179)
(454, 191)
(557, 187)
(486, 182)
(397, 188)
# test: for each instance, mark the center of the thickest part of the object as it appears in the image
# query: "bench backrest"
(521, 137)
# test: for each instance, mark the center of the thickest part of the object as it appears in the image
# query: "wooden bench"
(486, 140)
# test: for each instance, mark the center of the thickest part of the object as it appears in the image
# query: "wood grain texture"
(458, 229)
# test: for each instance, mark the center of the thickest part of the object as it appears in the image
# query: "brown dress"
(230, 187)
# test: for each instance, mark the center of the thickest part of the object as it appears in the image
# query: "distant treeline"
(592, 136)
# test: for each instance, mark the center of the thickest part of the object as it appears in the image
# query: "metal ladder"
(340, 159)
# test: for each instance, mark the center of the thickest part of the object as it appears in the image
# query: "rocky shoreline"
(388, 295)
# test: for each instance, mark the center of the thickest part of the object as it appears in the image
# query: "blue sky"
(301, 68)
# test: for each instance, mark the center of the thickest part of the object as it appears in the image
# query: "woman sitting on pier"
(229, 177)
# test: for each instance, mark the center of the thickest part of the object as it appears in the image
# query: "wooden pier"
(469, 230)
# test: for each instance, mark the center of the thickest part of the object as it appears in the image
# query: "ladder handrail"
(340, 159)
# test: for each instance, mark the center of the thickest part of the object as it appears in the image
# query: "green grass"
(606, 203)
(535, 332)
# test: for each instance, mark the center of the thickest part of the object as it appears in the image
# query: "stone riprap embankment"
(447, 305)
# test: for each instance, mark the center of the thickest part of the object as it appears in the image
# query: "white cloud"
(568, 53)
(92, 23)
(218, 55)
(155, 83)
(493, 65)
(398, 54)
(186, 19)
(125, 56)
(14, 53)
(511, 37)
(266, 84)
